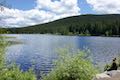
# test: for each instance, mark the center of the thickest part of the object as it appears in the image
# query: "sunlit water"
(41, 50)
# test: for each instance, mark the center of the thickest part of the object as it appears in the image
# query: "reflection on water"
(40, 50)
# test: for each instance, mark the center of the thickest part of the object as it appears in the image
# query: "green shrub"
(107, 67)
(13, 72)
(71, 67)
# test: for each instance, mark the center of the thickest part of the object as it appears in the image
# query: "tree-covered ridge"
(98, 25)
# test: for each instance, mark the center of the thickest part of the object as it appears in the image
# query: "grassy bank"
(13, 72)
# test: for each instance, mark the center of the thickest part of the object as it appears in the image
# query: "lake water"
(40, 50)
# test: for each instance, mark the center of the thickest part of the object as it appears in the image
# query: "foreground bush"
(14, 72)
(71, 67)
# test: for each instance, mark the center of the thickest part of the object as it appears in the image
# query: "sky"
(22, 13)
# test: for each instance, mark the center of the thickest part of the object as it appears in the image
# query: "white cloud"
(105, 6)
(45, 11)
(59, 7)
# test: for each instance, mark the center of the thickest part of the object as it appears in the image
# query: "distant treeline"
(95, 25)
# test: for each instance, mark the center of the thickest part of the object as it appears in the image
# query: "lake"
(41, 50)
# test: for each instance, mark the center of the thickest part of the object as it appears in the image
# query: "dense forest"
(94, 25)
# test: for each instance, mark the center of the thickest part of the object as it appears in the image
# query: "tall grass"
(13, 72)
(71, 67)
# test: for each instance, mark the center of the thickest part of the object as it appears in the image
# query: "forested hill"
(98, 25)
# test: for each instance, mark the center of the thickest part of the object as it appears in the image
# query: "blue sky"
(22, 4)
(85, 7)
(31, 12)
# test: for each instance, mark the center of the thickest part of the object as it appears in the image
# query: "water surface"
(40, 50)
